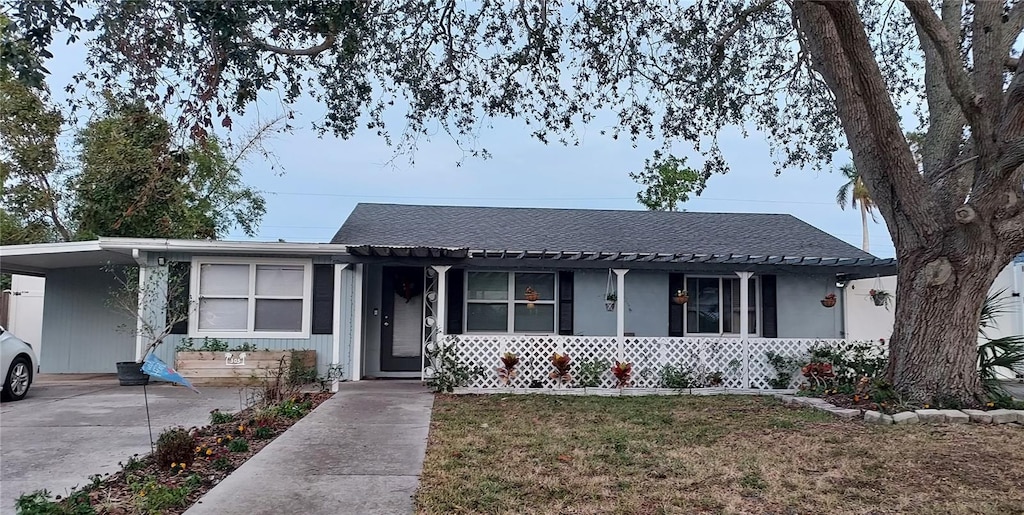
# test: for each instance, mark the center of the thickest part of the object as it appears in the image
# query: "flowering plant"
(623, 373)
(507, 372)
(561, 362)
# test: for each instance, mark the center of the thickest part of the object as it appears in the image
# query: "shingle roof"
(589, 230)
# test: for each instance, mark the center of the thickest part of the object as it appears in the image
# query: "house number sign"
(234, 360)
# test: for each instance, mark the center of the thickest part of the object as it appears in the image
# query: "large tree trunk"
(933, 350)
(950, 245)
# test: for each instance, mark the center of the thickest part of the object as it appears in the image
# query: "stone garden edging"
(921, 416)
(618, 392)
(926, 416)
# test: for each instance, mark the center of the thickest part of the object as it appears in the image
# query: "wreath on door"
(408, 285)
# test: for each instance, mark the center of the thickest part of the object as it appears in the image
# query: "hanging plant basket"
(681, 297)
(829, 301)
(531, 294)
(609, 305)
(880, 297)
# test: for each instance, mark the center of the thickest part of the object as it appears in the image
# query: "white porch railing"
(702, 355)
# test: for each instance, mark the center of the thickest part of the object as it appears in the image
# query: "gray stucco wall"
(646, 296)
(801, 314)
(81, 333)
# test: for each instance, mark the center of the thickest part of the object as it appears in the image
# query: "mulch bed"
(854, 401)
(213, 461)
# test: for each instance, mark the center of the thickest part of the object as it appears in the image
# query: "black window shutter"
(769, 314)
(323, 299)
(178, 298)
(456, 287)
(565, 291)
(676, 312)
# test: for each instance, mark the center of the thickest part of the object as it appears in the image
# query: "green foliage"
(667, 182)
(30, 170)
(221, 417)
(677, 376)
(40, 502)
(298, 372)
(449, 372)
(221, 463)
(209, 345)
(133, 464)
(176, 445)
(784, 367)
(590, 373)
(263, 433)
(855, 183)
(993, 354)
(155, 498)
(136, 180)
(293, 409)
(238, 445)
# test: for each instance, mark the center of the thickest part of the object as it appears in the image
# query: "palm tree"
(860, 198)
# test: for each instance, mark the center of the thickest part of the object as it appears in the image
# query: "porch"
(742, 362)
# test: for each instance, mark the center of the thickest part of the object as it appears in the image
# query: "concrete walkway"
(360, 452)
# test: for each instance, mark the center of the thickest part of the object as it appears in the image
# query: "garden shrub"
(238, 445)
(677, 376)
(175, 445)
(221, 417)
(590, 373)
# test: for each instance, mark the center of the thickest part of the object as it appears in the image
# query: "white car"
(17, 363)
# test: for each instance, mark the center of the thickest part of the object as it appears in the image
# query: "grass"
(650, 455)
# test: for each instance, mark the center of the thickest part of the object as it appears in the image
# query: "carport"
(80, 334)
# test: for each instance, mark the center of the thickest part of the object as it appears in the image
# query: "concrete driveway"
(64, 431)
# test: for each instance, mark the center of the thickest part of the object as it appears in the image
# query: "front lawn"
(688, 454)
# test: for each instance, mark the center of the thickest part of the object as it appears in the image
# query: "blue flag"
(155, 367)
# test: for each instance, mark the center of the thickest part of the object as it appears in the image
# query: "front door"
(401, 332)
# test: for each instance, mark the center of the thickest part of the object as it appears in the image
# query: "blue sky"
(324, 177)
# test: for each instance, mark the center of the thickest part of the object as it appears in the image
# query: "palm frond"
(843, 195)
(994, 306)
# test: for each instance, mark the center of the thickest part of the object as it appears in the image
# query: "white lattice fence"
(700, 355)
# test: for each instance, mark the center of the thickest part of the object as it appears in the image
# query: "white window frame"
(194, 298)
(757, 305)
(511, 302)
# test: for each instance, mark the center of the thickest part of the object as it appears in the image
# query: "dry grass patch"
(640, 455)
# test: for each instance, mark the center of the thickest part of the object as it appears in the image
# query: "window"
(268, 298)
(522, 301)
(714, 305)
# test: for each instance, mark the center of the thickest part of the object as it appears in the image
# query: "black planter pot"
(129, 373)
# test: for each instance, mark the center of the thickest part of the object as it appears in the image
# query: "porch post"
(745, 323)
(440, 311)
(357, 323)
(141, 312)
(620, 311)
(336, 329)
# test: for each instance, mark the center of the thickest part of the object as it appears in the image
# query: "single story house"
(399, 280)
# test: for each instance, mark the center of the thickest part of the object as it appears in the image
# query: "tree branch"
(1013, 26)
(949, 54)
(741, 21)
(328, 42)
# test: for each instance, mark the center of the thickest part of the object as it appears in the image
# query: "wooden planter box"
(216, 369)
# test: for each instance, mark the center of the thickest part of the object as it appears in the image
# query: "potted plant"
(560, 374)
(507, 372)
(829, 300)
(143, 302)
(531, 294)
(880, 297)
(623, 373)
(609, 301)
(681, 297)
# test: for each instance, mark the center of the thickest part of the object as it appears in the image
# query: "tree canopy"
(131, 178)
(813, 76)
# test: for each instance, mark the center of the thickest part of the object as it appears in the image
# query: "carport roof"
(37, 259)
